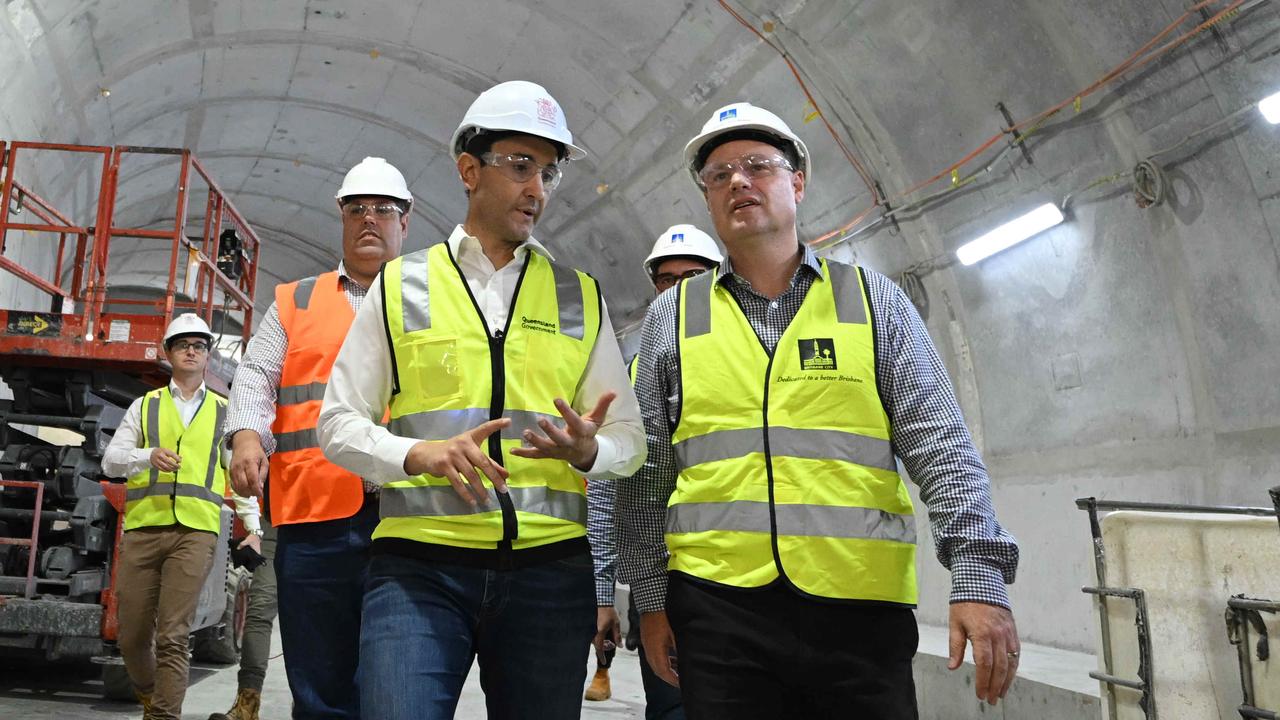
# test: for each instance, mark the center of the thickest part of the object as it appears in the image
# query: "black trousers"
(773, 653)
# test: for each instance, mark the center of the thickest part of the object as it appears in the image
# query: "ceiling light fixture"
(1270, 108)
(1010, 234)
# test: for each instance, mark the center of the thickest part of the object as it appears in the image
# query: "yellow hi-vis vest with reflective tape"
(451, 375)
(786, 468)
(193, 495)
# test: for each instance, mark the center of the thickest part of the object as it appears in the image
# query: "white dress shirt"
(360, 385)
(123, 457)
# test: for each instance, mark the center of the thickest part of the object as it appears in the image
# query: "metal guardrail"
(1102, 592)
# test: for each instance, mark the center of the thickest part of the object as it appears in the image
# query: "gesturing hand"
(460, 457)
(575, 443)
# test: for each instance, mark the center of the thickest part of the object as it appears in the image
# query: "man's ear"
(797, 184)
(469, 170)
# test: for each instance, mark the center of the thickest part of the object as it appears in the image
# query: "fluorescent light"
(1270, 108)
(1010, 234)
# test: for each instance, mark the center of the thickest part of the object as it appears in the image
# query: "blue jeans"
(425, 621)
(321, 569)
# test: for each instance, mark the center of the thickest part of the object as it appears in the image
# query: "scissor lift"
(74, 358)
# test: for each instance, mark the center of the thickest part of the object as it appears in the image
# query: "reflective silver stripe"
(414, 299)
(787, 442)
(213, 450)
(298, 394)
(167, 488)
(696, 293)
(444, 424)
(847, 289)
(561, 504)
(442, 500)
(297, 440)
(793, 520)
(153, 431)
(302, 293)
(569, 298)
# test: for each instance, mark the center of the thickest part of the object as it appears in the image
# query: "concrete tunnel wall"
(1128, 353)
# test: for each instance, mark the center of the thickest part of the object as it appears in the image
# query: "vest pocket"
(433, 363)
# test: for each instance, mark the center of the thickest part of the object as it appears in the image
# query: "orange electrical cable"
(1136, 60)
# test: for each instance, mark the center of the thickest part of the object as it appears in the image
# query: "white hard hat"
(516, 106)
(745, 116)
(374, 176)
(187, 324)
(682, 241)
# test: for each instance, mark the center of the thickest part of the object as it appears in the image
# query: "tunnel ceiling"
(279, 99)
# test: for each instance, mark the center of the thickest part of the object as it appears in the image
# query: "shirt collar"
(808, 259)
(460, 240)
(177, 394)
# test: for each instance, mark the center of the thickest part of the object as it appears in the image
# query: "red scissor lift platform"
(76, 348)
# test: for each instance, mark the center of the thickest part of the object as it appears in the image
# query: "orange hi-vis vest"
(305, 487)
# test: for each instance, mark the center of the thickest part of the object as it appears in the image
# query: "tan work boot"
(599, 689)
(245, 708)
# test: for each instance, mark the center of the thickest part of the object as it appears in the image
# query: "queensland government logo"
(528, 323)
(818, 354)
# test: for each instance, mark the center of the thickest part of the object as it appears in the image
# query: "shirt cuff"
(388, 455)
(650, 593)
(975, 580)
(265, 437)
(606, 458)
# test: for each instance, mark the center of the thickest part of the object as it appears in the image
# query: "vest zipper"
(173, 494)
(497, 405)
(498, 393)
(768, 468)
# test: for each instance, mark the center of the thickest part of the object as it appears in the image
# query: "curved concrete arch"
(421, 208)
(408, 55)
(312, 250)
(318, 105)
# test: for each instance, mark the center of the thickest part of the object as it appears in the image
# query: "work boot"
(245, 708)
(599, 689)
(145, 701)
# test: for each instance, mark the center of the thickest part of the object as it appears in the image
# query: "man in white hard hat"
(682, 251)
(505, 386)
(775, 541)
(167, 445)
(323, 515)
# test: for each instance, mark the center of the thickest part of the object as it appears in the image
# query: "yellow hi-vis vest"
(786, 468)
(193, 495)
(452, 375)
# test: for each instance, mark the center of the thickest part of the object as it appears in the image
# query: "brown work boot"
(145, 701)
(245, 708)
(599, 689)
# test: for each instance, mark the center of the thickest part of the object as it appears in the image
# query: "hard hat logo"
(548, 112)
(677, 238)
(728, 114)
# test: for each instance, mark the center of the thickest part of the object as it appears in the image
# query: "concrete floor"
(75, 691)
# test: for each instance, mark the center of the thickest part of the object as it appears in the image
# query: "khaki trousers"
(162, 570)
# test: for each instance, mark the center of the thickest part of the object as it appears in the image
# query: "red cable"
(853, 160)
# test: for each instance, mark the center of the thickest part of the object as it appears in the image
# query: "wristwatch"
(257, 532)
